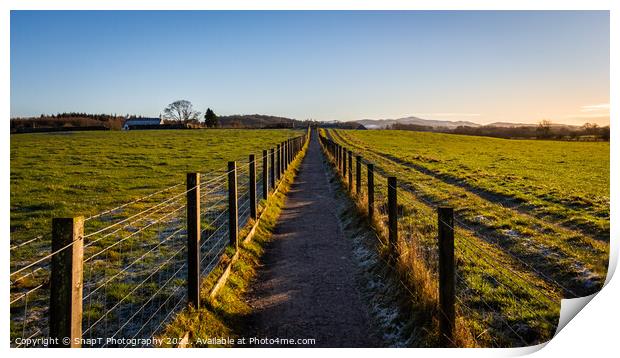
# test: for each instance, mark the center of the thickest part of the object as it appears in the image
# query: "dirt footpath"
(307, 285)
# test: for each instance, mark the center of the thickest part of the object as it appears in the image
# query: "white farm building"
(136, 123)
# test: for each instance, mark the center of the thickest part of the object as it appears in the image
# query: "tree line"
(544, 130)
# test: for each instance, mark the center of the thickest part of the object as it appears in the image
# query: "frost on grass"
(384, 310)
(380, 296)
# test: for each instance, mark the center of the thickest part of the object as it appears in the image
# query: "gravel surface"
(307, 287)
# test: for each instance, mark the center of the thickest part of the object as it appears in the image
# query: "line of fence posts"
(66, 271)
(445, 233)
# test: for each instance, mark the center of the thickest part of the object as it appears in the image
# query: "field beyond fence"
(478, 282)
(116, 277)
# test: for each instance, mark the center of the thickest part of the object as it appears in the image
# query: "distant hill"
(510, 125)
(343, 125)
(258, 121)
(382, 123)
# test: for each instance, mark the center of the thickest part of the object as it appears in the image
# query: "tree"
(544, 128)
(590, 128)
(210, 118)
(182, 111)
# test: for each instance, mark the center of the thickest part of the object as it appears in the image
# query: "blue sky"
(482, 66)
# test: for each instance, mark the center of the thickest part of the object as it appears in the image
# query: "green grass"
(568, 254)
(511, 258)
(567, 181)
(83, 173)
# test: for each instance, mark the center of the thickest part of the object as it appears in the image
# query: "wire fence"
(134, 261)
(500, 298)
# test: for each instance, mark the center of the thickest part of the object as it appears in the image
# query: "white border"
(592, 332)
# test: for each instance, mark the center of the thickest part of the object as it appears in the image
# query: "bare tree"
(590, 128)
(182, 111)
(544, 128)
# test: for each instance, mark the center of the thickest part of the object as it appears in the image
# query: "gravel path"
(307, 287)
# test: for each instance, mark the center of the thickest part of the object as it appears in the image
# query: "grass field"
(82, 173)
(133, 255)
(562, 181)
(532, 222)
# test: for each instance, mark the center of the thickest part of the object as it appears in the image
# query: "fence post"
(350, 171)
(445, 225)
(272, 168)
(344, 164)
(358, 175)
(393, 216)
(285, 155)
(281, 159)
(193, 239)
(252, 186)
(337, 155)
(371, 190)
(265, 177)
(279, 165)
(67, 281)
(233, 211)
(288, 153)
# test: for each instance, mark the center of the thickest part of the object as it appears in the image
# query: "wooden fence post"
(286, 146)
(253, 211)
(344, 164)
(265, 177)
(233, 210)
(272, 168)
(446, 275)
(339, 157)
(350, 171)
(67, 282)
(371, 190)
(288, 153)
(279, 155)
(285, 156)
(358, 175)
(393, 217)
(282, 159)
(335, 155)
(193, 239)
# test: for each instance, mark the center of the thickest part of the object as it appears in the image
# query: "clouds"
(597, 113)
(447, 114)
(604, 107)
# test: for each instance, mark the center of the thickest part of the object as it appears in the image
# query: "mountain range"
(382, 123)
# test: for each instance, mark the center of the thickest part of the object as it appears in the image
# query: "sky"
(479, 66)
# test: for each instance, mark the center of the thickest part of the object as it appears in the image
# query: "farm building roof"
(143, 121)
